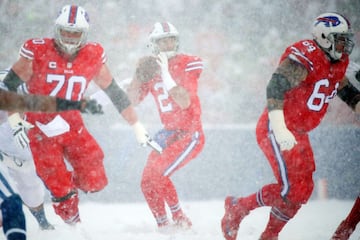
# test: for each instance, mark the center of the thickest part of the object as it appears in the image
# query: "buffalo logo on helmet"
(329, 21)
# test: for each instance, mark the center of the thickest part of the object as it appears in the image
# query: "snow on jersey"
(185, 70)
(54, 75)
(306, 104)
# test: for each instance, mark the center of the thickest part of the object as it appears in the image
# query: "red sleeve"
(193, 69)
(305, 52)
(31, 46)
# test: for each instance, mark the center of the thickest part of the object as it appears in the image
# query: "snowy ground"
(132, 221)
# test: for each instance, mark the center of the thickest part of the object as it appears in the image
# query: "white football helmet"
(331, 30)
(163, 30)
(71, 19)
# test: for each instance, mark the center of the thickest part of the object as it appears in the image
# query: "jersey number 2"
(163, 98)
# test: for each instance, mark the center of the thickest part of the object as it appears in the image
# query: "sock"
(39, 214)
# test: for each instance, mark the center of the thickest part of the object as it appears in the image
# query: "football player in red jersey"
(348, 225)
(63, 66)
(310, 73)
(172, 78)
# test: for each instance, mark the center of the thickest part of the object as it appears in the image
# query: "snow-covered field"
(132, 221)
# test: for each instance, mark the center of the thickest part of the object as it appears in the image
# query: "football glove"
(141, 134)
(19, 129)
(357, 75)
(282, 134)
(92, 107)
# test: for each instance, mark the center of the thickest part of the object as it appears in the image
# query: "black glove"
(357, 75)
(92, 107)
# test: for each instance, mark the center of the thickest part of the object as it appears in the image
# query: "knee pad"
(13, 218)
(67, 207)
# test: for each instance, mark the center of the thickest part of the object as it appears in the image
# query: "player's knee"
(13, 218)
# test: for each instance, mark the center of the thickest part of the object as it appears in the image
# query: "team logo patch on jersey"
(329, 21)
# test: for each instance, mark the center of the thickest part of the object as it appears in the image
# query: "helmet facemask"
(70, 40)
(170, 49)
(340, 43)
(162, 31)
(71, 29)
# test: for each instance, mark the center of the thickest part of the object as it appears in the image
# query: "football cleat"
(182, 221)
(46, 226)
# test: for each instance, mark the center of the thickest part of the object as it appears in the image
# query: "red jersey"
(306, 104)
(185, 70)
(54, 75)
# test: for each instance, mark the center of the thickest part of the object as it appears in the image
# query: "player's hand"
(162, 61)
(285, 139)
(92, 107)
(141, 134)
(19, 129)
(282, 134)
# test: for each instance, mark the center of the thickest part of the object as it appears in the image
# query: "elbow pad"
(12, 81)
(118, 97)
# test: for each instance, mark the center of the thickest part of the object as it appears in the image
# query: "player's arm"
(181, 96)
(287, 76)
(11, 101)
(121, 102)
(134, 91)
(117, 96)
(178, 93)
(20, 72)
(348, 93)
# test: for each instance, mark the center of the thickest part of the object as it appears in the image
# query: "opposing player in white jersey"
(22, 169)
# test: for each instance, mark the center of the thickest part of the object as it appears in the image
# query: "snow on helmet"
(330, 29)
(71, 19)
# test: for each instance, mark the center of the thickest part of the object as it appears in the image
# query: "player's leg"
(51, 168)
(13, 218)
(293, 170)
(152, 191)
(348, 225)
(32, 192)
(86, 158)
(151, 184)
(179, 149)
(185, 149)
(40, 216)
(237, 208)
